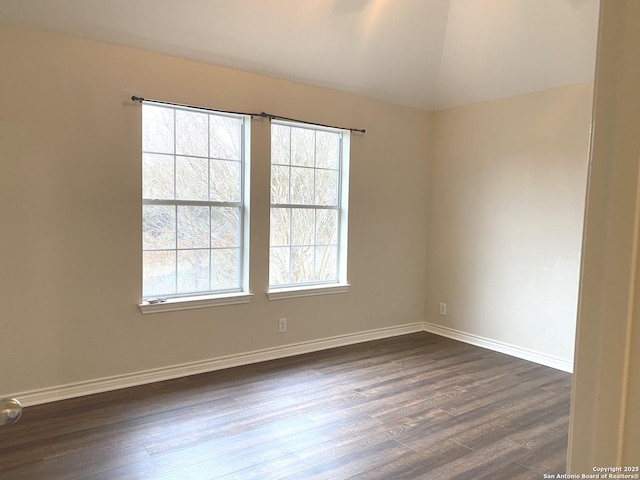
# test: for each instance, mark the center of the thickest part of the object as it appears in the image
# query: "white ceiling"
(429, 54)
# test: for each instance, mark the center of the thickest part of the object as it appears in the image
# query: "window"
(194, 225)
(309, 192)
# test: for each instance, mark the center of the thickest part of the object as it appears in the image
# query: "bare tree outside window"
(306, 207)
(192, 188)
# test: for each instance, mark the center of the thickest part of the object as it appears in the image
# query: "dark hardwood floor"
(412, 407)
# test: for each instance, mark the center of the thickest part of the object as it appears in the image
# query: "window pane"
(306, 169)
(157, 176)
(327, 150)
(302, 185)
(302, 226)
(193, 227)
(302, 264)
(302, 147)
(326, 187)
(193, 271)
(192, 178)
(280, 144)
(192, 133)
(279, 184)
(225, 181)
(326, 227)
(326, 263)
(158, 227)
(157, 129)
(225, 227)
(159, 273)
(280, 224)
(195, 157)
(279, 265)
(225, 268)
(225, 137)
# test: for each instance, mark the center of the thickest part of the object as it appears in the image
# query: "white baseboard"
(497, 346)
(63, 392)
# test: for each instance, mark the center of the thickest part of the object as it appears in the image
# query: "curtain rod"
(140, 100)
(278, 117)
(251, 114)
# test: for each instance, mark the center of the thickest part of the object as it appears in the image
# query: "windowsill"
(307, 291)
(200, 301)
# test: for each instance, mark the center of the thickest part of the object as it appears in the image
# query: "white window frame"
(232, 296)
(341, 285)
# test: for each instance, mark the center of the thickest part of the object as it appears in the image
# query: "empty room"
(305, 239)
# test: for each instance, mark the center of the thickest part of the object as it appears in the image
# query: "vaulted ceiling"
(429, 54)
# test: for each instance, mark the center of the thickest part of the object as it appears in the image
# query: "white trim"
(497, 346)
(52, 394)
(343, 214)
(201, 301)
(62, 392)
(150, 303)
(341, 207)
(308, 291)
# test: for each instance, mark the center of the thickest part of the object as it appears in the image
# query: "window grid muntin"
(210, 248)
(240, 267)
(314, 245)
(312, 206)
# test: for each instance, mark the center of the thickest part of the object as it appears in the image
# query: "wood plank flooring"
(417, 406)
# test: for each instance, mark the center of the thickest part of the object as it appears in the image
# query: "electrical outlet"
(282, 325)
(443, 309)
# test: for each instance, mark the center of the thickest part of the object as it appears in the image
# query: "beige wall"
(71, 184)
(507, 206)
(508, 188)
(70, 262)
